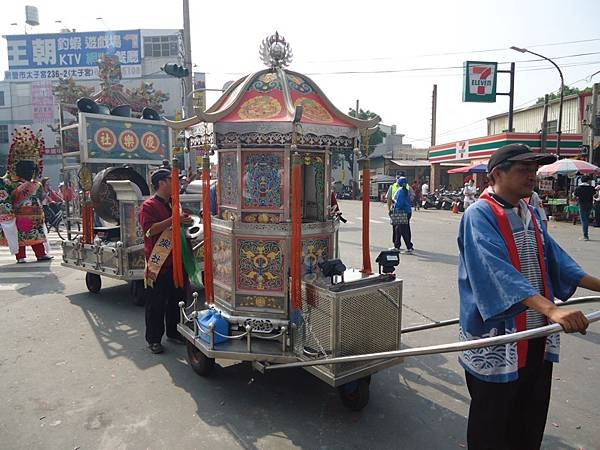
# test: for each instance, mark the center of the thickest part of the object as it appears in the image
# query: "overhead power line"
(485, 118)
(463, 52)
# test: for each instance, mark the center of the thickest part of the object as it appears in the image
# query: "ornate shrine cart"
(267, 127)
(106, 172)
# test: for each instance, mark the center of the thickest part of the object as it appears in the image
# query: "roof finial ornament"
(275, 52)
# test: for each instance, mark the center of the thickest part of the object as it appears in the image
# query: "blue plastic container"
(221, 326)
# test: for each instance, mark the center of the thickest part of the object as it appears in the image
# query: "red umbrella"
(567, 167)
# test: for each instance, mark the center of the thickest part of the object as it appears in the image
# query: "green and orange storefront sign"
(480, 148)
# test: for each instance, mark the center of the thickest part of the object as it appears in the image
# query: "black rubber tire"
(138, 292)
(202, 364)
(355, 395)
(93, 282)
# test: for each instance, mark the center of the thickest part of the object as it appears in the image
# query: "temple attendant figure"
(21, 213)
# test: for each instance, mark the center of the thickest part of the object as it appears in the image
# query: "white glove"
(11, 234)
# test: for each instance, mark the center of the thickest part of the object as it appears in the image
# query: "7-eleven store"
(478, 151)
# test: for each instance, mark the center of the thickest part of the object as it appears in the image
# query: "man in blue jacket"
(510, 270)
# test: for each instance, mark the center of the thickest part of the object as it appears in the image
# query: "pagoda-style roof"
(260, 109)
(267, 100)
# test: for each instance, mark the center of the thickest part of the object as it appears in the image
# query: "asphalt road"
(76, 373)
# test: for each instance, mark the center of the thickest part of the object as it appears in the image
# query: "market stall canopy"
(567, 167)
(477, 168)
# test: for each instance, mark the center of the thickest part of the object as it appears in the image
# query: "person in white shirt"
(536, 202)
(469, 191)
(424, 190)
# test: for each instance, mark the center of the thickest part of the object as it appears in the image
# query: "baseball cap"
(160, 174)
(518, 152)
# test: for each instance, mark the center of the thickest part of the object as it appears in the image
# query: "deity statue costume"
(21, 213)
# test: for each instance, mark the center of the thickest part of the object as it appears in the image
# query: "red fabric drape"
(206, 219)
(366, 251)
(176, 210)
(296, 250)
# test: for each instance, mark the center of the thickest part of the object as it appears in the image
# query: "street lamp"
(562, 92)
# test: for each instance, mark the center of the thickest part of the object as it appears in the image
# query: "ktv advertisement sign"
(33, 57)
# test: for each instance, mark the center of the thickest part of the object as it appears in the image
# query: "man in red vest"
(510, 270)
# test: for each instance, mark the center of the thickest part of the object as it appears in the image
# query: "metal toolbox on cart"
(362, 315)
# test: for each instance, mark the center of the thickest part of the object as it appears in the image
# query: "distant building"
(393, 157)
(529, 120)
(37, 61)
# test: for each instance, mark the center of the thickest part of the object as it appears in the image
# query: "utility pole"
(433, 114)
(187, 59)
(544, 137)
(355, 164)
(511, 95)
(594, 130)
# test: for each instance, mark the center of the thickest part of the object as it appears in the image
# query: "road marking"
(22, 275)
(12, 286)
(375, 221)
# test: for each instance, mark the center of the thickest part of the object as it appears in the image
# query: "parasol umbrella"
(477, 168)
(567, 167)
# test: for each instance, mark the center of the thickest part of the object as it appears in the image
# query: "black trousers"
(511, 416)
(162, 307)
(597, 213)
(400, 232)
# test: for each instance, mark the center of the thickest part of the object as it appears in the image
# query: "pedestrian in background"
(469, 191)
(597, 206)
(402, 203)
(584, 193)
(416, 195)
(536, 202)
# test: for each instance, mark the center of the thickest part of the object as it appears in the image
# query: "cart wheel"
(93, 282)
(202, 364)
(355, 395)
(138, 292)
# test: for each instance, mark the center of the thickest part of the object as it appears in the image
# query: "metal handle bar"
(445, 323)
(441, 348)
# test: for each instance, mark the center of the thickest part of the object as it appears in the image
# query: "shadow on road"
(37, 271)
(290, 405)
(434, 257)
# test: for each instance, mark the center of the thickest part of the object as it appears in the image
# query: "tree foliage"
(375, 138)
(568, 91)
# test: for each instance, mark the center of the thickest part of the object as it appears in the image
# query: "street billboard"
(34, 57)
(479, 81)
(199, 91)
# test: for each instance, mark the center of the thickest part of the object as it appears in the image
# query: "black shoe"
(45, 258)
(177, 340)
(156, 347)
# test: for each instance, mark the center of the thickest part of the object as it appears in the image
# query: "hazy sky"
(346, 36)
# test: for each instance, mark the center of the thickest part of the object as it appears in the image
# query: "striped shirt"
(526, 243)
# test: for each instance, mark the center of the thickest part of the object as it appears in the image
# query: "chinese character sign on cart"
(135, 141)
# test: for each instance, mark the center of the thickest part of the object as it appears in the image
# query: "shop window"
(3, 134)
(161, 46)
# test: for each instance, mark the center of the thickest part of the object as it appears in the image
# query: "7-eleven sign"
(479, 81)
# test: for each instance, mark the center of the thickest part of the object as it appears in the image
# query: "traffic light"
(175, 70)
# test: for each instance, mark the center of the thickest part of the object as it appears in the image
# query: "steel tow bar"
(442, 348)
(445, 323)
